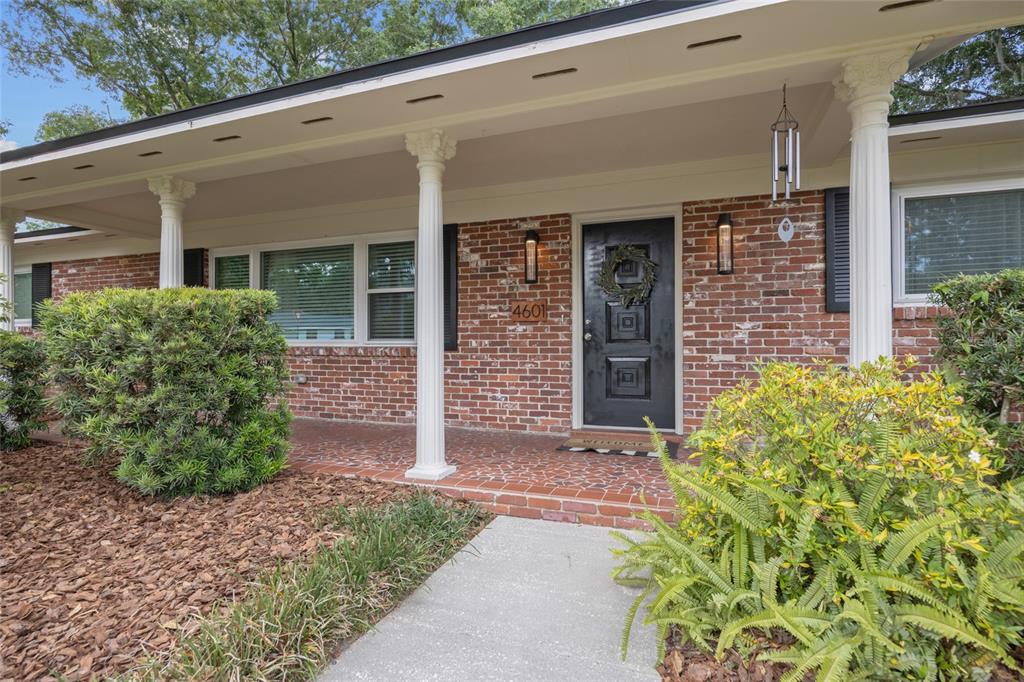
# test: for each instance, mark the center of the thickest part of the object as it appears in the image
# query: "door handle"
(588, 336)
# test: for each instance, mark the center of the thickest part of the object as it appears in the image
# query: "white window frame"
(22, 321)
(899, 197)
(360, 245)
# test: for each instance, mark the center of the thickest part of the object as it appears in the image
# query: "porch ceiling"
(639, 98)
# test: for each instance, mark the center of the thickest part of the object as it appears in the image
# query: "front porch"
(512, 473)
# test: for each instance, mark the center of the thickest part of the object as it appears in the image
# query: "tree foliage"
(988, 66)
(845, 521)
(73, 120)
(162, 55)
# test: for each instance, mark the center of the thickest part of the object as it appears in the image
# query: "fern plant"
(848, 517)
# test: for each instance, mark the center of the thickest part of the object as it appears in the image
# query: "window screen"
(231, 272)
(23, 296)
(962, 233)
(391, 296)
(314, 291)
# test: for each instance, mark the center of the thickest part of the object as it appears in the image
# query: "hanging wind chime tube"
(786, 127)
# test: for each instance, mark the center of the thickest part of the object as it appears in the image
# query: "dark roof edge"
(959, 112)
(50, 232)
(553, 29)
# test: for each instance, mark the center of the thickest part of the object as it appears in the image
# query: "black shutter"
(42, 286)
(451, 287)
(194, 275)
(837, 250)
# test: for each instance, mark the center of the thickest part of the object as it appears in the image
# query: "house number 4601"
(530, 311)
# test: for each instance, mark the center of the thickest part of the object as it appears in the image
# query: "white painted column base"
(432, 148)
(173, 193)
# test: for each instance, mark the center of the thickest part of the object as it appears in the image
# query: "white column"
(9, 219)
(865, 85)
(432, 148)
(173, 193)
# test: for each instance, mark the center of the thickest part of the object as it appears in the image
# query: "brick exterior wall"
(90, 274)
(506, 375)
(771, 308)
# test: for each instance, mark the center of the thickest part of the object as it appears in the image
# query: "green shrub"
(847, 516)
(983, 339)
(176, 383)
(22, 387)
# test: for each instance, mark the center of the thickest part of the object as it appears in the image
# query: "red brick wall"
(89, 274)
(518, 376)
(771, 308)
(504, 375)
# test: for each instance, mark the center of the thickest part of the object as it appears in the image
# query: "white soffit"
(637, 66)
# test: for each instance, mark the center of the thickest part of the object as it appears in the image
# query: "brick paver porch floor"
(518, 474)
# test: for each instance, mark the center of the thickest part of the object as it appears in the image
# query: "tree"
(502, 16)
(73, 120)
(163, 55)
(5, 128)
(989, 66)
(155, 55)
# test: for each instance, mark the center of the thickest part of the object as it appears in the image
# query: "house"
(444, 230)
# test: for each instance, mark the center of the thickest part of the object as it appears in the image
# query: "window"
(23, 297)
(943, 232)
(390, 290)
(361, 290)
(231, 272)
(315, 291)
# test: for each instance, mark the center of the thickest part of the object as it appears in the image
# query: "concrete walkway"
(528, 600)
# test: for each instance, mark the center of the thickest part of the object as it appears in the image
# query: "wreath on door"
(635, 293)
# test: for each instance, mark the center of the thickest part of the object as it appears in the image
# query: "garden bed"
(94, 576)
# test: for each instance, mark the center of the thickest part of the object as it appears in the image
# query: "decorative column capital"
(170, 188)
(430, 145)
(9, 219)
(870, 77)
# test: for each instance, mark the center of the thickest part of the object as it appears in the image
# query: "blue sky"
(24, 100)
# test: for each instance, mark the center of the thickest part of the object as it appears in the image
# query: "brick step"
(569, 505)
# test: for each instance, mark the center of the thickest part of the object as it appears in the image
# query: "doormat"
(616, 446)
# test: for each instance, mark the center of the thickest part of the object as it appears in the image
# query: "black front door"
(629, 351)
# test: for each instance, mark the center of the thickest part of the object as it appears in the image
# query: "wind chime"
(785, 144)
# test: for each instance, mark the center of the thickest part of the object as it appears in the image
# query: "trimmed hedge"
(983, 339)
(22, 388)
(185, 386)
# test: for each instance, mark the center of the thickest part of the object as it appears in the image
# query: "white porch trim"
(674, 211)
(865, 84)
(173, 193)
(432, 148)
(9, 219)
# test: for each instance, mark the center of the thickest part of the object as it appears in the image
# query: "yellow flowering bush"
(850, 509)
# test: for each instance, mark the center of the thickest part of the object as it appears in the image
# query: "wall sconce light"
(530, 245)
(724, 244)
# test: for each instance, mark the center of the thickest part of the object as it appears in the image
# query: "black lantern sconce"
(530, 249)
(724, 244)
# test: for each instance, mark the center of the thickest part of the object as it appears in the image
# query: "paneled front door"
(629, 351)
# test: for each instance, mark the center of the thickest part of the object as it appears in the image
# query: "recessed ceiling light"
(559, 72)
(84, 166)
(713, 41)
(426, 98)
(227, 137)
(27, 177)
(152, 153)
(317, 120)
(921, 139)
(902, 5)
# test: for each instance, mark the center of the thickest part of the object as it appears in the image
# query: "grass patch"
(294, 616)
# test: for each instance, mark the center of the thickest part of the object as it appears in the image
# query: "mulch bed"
(94, 576)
